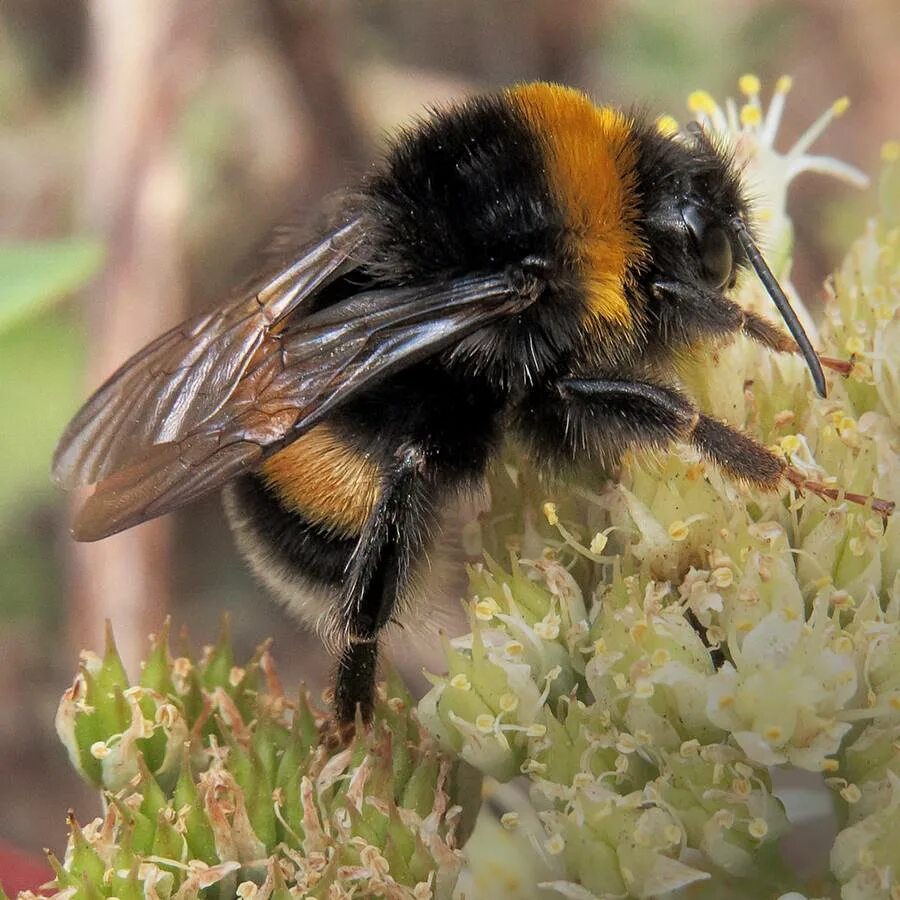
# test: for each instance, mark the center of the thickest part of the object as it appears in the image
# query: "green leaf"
(35, 274)
(40, 387)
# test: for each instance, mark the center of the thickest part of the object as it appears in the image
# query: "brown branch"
(144, 56)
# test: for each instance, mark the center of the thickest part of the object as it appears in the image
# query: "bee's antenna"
(781, 301)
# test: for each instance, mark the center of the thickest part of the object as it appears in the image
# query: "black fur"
(293, 540)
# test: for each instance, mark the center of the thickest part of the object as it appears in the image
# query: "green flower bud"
(864, 855)
(724, 803)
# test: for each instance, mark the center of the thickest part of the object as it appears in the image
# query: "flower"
(749, 130)
(669, 637)
(251, 794)
(864, 855)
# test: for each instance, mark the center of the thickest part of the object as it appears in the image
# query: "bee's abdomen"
(297, 520)
(325, 480)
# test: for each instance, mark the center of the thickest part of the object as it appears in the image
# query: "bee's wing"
(168, 389)
(294, 377)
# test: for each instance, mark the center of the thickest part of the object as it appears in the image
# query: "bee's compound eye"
(713, 247)
(716, 256)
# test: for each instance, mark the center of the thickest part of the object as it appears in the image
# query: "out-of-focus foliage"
(41, 349)
(35, 274)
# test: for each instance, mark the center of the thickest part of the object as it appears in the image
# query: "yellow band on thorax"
(591, 156)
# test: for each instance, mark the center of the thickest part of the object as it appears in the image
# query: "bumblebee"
(527, 263)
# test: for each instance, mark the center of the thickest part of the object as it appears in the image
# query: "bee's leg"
(638, 415)
(764, 332)
(378, 574)
(744, 458)
(711, 316)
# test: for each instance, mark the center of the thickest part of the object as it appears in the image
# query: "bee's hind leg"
(377, 576)
(354, 692)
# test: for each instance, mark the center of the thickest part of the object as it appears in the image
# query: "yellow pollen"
(790, 443)
(749, 85)
(726, 701)
(758, 829)
(508, 702)
(550, 513)
(509, 820)
(484, 723)
(773, 734)
(854, 345)
(750, 115)
(784, 84)
(830, 765)
(667, 126)
(678, 530)
(485, 609)
(701, 102)
(555, 845)
(840, 106)
(461, 682)
(723, 577)
(536, 730)
(741, 787)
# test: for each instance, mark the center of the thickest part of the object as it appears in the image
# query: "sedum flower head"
(659, 643)
(214, 779)
(864, 858)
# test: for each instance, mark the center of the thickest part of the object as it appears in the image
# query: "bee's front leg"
(621, 415)
(617, 416)
(764, 332)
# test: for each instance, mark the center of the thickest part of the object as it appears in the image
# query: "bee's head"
(690, 194)
(695, 218)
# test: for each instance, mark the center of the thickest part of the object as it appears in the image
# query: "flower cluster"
(215, 783)
(657, 644)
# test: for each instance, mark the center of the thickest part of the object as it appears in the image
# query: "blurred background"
(147, 150)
